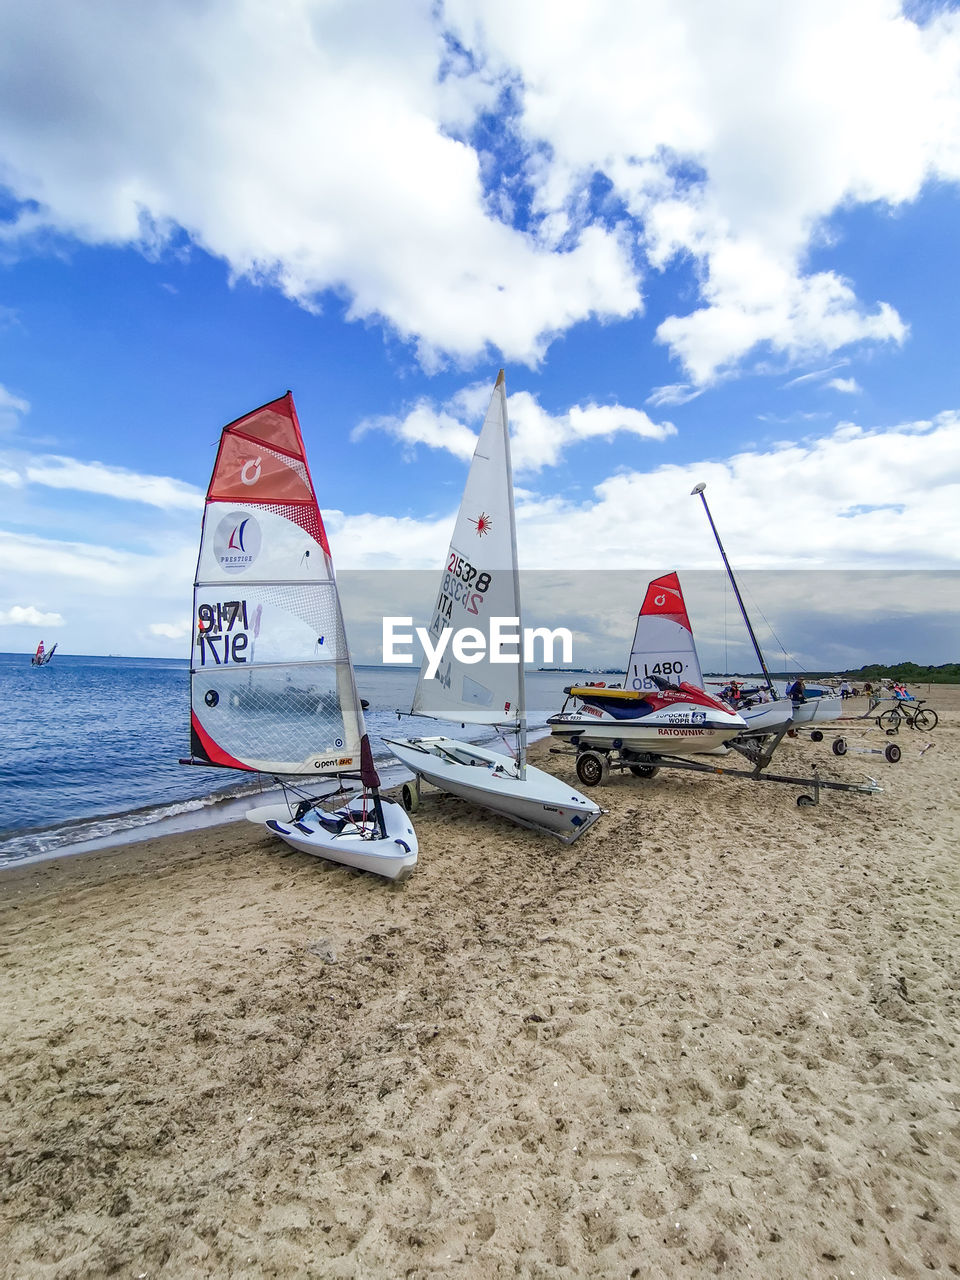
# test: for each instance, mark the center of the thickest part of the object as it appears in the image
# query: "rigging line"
(783, 648)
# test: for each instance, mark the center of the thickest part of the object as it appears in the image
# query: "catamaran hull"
(768, 717)
(826, 707)
(392, 855)
(538, 800)
(670, 740)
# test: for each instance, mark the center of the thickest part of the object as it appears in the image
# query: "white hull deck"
(489, 779)
(768, 717)
(392, 856)
(671, 740)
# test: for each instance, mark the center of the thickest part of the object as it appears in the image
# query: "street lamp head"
(699, 488)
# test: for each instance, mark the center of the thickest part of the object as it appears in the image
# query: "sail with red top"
(272, 685)
(663, 643)
(38, 656)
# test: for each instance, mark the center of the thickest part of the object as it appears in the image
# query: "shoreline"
(194, 815)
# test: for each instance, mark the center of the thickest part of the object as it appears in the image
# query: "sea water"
(90, 747)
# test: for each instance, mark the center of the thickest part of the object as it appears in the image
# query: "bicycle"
(915, 715)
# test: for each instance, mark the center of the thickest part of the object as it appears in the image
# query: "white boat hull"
(670, 740)
(392, 855)
(826, 707)
(489, 779)
(768, 717)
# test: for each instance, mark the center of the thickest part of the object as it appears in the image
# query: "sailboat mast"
(698, 490)
(522, 687)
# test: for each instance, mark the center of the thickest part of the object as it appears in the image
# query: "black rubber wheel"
(816, 735)
(592, 768)
(805, 801)
(410, 798)
(892, 752)
(926, 720)
(839, 746)
(644, 770)
(889, 721)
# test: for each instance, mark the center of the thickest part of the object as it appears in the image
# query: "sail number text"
(221, 632)
(462, 584)
(666, 670)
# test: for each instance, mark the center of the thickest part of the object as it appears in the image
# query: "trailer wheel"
(892, 753)
(805, 801)
(816, 735)
(839, 746)
(592, 768)
(644, 770)
(410, 797)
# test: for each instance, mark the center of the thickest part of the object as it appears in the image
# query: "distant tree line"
(907, 673)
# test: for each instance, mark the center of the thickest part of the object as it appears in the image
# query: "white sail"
(480, 581)
(272, 686)
(663, 642)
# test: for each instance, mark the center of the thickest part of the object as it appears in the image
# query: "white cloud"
(114, 482)
(309, 146)
(170, 630)
(538, 437)
(848, 386)
(8, 401)
(677, 393)
(324, 146)
(815, 375)
(731, 132)
(29, 616)
(11, 409)
(796, 505)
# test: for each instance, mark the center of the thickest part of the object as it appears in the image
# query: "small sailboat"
(830, 708)
(42, 656)
(481, 582)
(272, 687)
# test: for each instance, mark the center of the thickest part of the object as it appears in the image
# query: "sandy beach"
(716, 1036)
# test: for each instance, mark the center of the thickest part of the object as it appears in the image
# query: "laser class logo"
(482, 523)
(236, 543)
(250, 471)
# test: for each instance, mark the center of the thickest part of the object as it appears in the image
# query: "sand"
(716, 1036)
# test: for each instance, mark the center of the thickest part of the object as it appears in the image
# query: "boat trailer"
(593, 767)
(891, 752)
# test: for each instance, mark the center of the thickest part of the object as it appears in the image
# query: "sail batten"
(272, 685)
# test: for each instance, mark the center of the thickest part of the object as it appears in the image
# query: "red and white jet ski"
(666, 720)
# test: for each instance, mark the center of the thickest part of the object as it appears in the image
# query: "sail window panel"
(276, 720)
(262, 623)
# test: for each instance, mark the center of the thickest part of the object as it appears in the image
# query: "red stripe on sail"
(214, 753)
(262, 462)
(665, 599)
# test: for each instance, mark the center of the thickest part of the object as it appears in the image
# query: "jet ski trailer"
(594, 764)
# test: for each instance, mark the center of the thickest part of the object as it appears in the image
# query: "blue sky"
(705, 243)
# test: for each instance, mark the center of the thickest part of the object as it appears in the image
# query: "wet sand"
(718, 1035)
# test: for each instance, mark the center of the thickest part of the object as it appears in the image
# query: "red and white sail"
(663, 643)
(272, 686)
